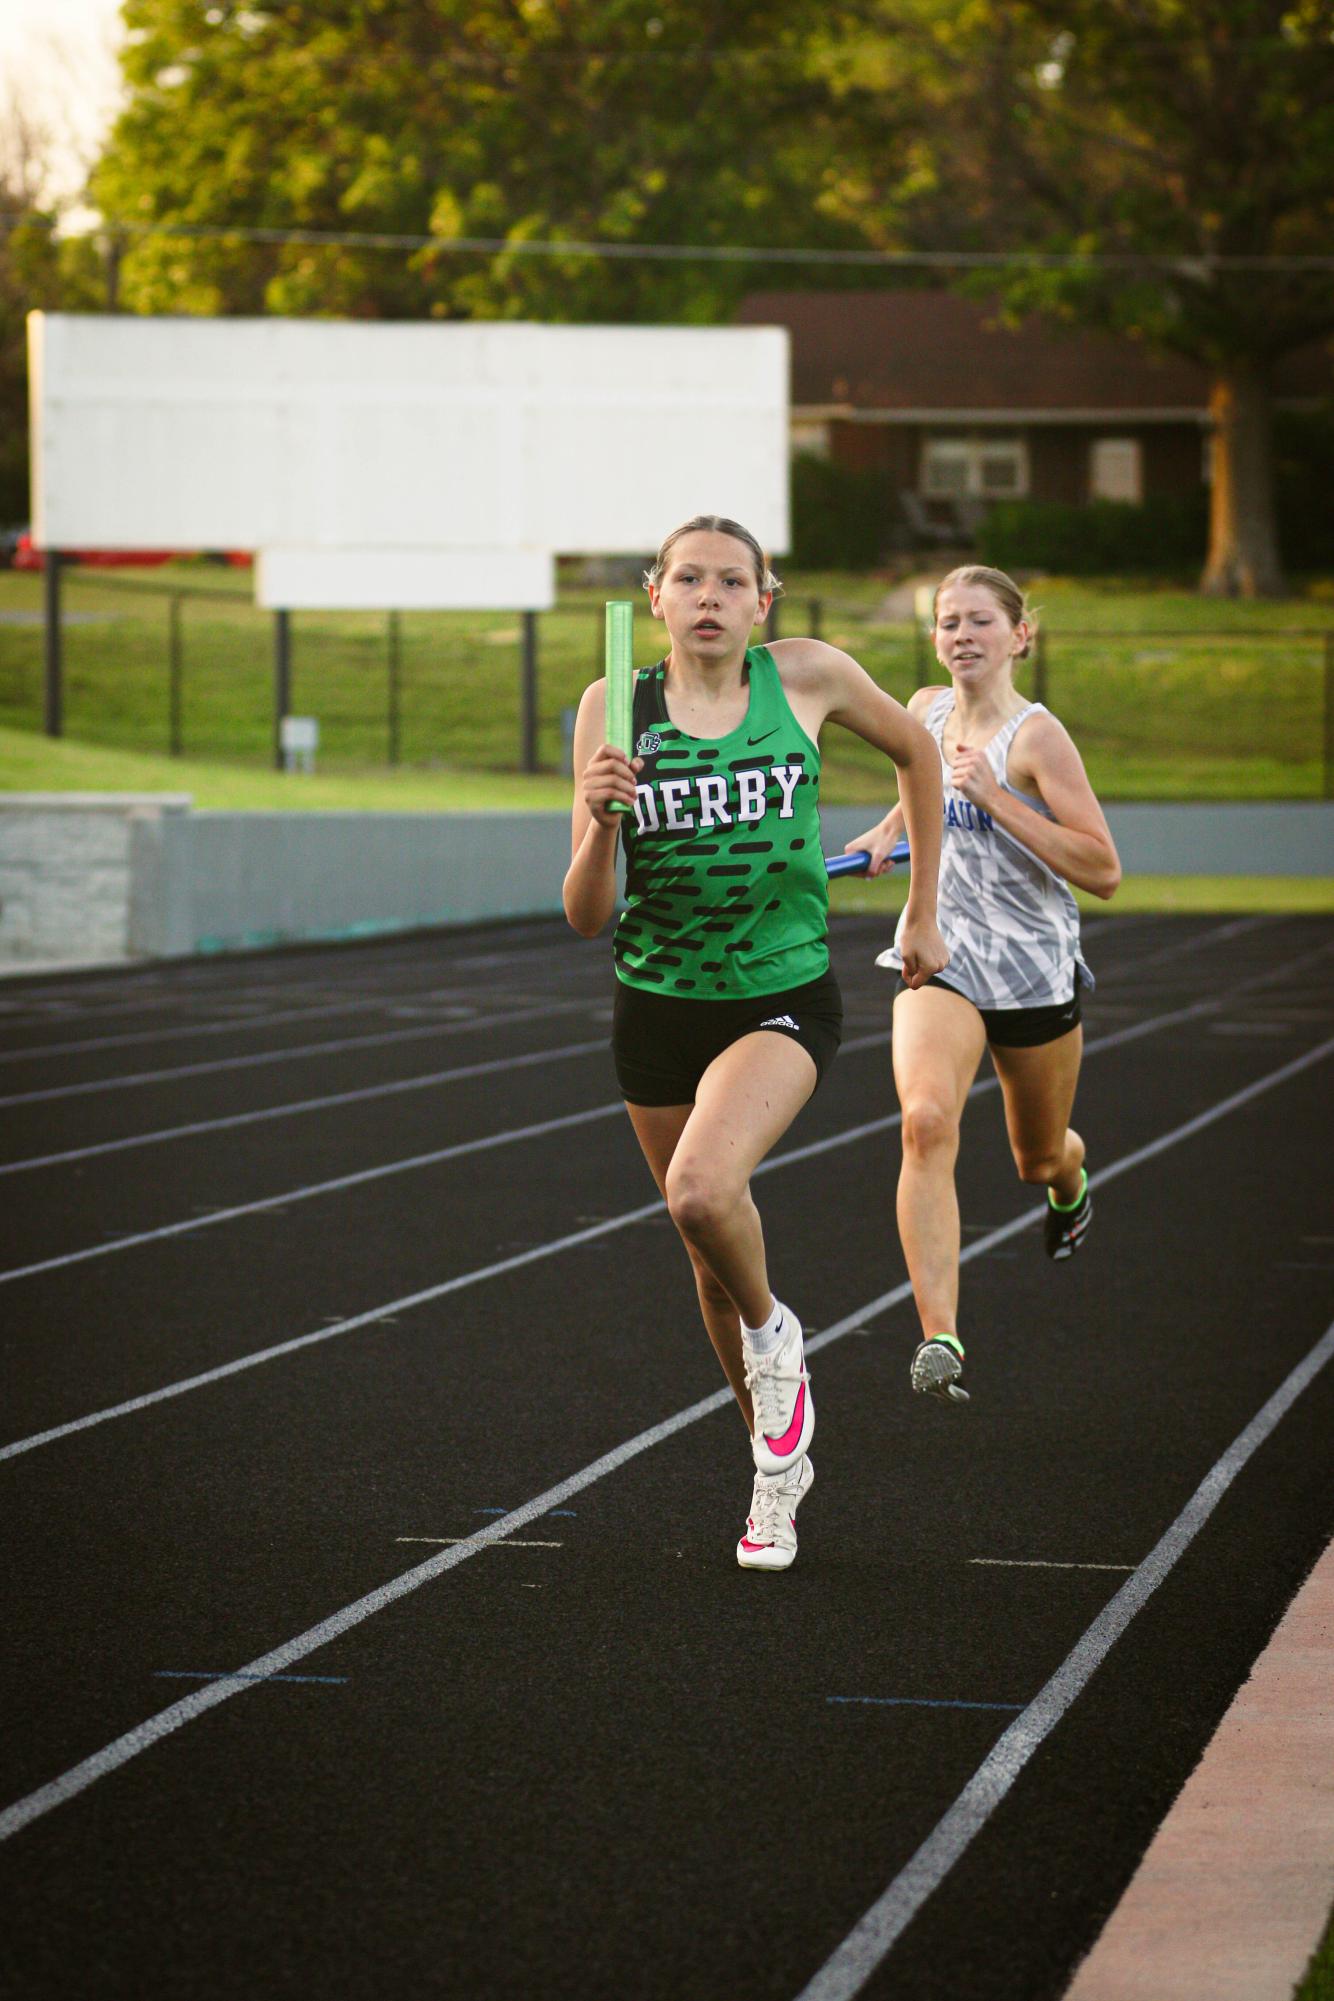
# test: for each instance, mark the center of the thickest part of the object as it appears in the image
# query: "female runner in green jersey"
(726, 1010)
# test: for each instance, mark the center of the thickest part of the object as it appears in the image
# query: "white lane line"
(131, 1240)
(256, 1010)
(920, 1877)
(1119, 971)
(919, 1702)
(848, 1969)
(221, 1674)
(655, 1208)
(233, 1025)
(1221, 934)
(372, 1091)
(1040, 1563)
(512, 1137)
(509, 1543)
(154, 1728)
(305, 1049)
(428, 1082)
(205, 981)
(1111, 1172)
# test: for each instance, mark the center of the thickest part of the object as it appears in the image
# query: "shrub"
(841, 517)
(1303, 447)
(1105, 537)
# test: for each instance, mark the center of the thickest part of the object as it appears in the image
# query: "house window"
(1116, 470)
(975, 469)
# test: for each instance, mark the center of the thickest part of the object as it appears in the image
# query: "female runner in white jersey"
(726, 1011)
(1021, 822)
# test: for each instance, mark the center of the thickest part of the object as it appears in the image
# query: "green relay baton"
(620, 681)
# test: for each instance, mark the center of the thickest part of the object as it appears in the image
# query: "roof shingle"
(939, 351)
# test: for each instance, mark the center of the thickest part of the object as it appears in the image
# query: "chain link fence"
(188, 668)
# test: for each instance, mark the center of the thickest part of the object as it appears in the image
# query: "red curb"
(1234, 1893)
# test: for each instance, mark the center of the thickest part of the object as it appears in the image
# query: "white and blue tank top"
(1010, 922)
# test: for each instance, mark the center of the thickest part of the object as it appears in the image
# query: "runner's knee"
(930, 1126)
(1037, 1164)
(699, 1199)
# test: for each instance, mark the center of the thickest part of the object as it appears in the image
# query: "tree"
(1157, 145)
(37, 271)
(1185, 151)
(504, 121)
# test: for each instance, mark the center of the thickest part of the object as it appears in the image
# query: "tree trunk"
(1243, 558)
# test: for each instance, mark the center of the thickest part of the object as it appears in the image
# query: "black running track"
(585, 1754)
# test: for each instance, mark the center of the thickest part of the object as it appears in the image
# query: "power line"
(1200, 263)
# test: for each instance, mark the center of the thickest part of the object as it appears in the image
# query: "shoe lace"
(766, 1505)
(766, 1390)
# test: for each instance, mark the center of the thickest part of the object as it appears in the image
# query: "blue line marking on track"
(920, 1702)
(212, 1674)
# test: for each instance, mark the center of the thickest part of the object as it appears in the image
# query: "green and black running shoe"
(937, 1369)
(1065, 1225)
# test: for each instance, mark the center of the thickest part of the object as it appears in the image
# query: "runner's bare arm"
(880, 839)
(824, 683)
(1043, 759)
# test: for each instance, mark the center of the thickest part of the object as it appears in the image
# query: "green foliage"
(1303, 455)
(485, 119)
(1141, 130)
(36, 272)
(1103, 538)
(840, 516)
(1146, 131)
(1317, 1983)
(1149, 138)
(1166, 535)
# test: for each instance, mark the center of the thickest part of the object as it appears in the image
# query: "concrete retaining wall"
(223, 881)
(88, 878)
(1252, 838)
(67, 871)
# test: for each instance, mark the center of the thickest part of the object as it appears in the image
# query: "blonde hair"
(1005, 591)
(713, 524)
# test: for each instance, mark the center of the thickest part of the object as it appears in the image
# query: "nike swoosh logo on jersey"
(753, 740)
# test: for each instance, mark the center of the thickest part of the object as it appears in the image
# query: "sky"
(57, 61)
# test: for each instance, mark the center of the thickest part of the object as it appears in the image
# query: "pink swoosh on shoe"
(788, 1442)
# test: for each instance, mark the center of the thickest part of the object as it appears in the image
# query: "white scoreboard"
(401, 465)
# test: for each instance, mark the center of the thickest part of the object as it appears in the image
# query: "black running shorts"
(1018, 1027)
(663, 1043)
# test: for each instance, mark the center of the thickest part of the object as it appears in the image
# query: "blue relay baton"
(859, 860)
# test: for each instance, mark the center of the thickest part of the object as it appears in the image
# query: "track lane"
(498, 1736)
(222, 1273)
(447, 1367)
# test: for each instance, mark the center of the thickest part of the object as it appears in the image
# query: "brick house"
(961, 410)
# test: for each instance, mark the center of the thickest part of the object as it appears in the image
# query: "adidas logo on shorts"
(782, 1021)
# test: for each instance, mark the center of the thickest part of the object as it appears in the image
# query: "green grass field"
(1198, 894)
(32, 763)
(1169, 696)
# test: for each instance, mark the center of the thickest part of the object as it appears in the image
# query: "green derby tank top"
(725, 887)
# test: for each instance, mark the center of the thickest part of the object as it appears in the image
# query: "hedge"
(1101, 537)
